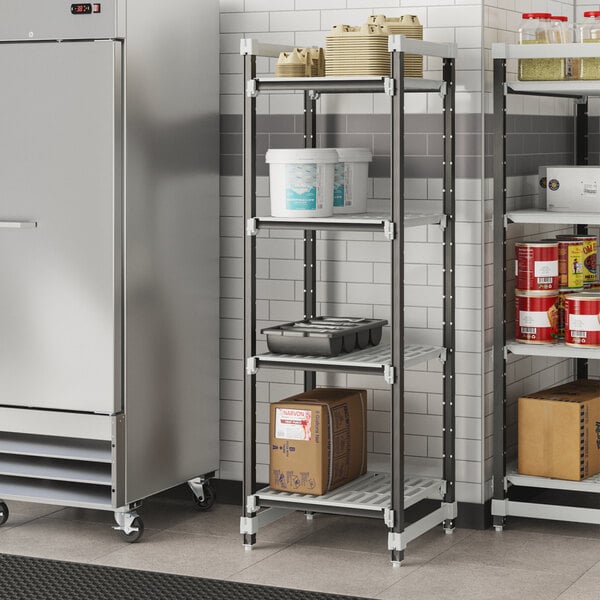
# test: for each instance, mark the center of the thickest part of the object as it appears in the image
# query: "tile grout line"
(569, 586)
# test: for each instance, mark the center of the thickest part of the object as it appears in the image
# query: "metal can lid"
(535, 293)
(538, 243)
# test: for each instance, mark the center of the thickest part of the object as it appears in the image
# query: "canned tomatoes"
(536, 266)
(582, 319)
(536, 317)
(570, 264)
(590, 248)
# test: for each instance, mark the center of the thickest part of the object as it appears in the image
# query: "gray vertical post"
(310, 237)
(581, 158)
(449, 284)
(397, 349)
(249, 177)
(499, 283)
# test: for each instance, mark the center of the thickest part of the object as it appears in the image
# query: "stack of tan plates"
(355, 51)
(301, 62)
(409, 26)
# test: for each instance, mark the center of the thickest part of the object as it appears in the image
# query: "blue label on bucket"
(301, 187)
(339, 192)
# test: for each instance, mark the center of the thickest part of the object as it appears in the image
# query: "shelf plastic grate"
(590, 485)
(539, 216)
(373, 221)
(558, 350)
(371, 491)
(371, 358)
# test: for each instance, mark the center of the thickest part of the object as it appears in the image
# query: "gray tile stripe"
(535, 139)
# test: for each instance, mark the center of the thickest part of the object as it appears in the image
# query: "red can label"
(582, 320)
(536, 266)
(536, 319)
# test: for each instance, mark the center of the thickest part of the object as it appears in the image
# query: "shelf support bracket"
(252, 226)
(444, 222)
(389, 230)
(314, 95)
(506, 219)
(396, 542)
(251, 366)
(443, 355)
(389, 374)
(388, 517)
(389, 87)
(251, 88)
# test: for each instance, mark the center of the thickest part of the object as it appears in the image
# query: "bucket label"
(293, 424)
(301, 187)
(339, 196)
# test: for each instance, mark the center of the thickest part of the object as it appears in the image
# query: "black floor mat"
(26, 578)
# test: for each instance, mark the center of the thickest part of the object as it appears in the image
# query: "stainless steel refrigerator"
(108, 252)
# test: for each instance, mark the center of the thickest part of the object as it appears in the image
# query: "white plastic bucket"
(301, 181)
(350, 184)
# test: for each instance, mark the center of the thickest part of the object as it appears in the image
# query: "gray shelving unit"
(377, 495)
(506, 477)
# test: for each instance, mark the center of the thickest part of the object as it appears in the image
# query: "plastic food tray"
(324, 336)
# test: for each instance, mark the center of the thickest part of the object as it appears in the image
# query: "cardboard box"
(318, 440)
(559, 431)
(570, 188)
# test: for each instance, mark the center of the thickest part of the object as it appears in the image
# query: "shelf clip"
(252, 226)
(251, 505)
(444, 222)
(396, 542)
(506, 220)
(314, 95)
(389, 230)
(389, 374)
(443, 90)
(389, 86)
(251, 366)
(443, 355)
(388, 517)
(251, 88)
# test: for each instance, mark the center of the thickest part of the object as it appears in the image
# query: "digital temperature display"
(81, 9)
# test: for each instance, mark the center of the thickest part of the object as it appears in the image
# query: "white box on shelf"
(570, 188)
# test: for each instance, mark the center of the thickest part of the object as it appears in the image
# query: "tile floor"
(530, 559)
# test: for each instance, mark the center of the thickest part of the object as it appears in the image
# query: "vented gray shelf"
(542, 217)
(356, 222)
(345, 85)
(55, 492)
(558, 350)
(55, 447)
(59, 470)
(370, 492)
(374, 359)
(590, 485)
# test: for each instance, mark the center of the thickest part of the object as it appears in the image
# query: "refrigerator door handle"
(18, 224)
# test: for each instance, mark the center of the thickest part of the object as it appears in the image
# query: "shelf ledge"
(553, 218)
(590, 485)
(376, 360)
(558, 350)
(369, 492)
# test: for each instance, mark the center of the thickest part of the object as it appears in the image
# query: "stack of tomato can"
(536, 274)
(556, 284)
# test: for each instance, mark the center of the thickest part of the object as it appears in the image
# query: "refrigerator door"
(60, 226)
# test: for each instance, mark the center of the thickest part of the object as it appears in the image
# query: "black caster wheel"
(133, 536)
(209, 497)
(3, 513)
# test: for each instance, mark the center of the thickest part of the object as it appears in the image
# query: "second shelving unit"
(381, 495)
(507, 499)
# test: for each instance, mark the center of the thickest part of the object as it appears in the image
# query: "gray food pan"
(324, 336)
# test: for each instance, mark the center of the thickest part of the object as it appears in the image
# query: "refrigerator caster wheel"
(209, 497)
(3, 513)
(135, 533)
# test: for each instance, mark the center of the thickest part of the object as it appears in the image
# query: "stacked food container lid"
(410, 27)
(301, 62)
(363, 50)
